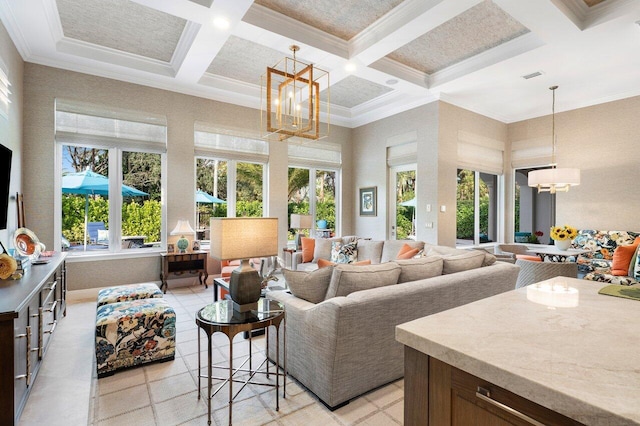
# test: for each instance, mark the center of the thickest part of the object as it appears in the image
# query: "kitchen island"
(528, 356)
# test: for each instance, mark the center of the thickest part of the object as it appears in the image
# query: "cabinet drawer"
(478, 402)
(26, 349)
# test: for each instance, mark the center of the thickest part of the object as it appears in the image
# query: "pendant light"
(554, 179)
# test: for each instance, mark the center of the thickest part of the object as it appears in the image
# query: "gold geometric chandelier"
(554, 179)
(290, 104)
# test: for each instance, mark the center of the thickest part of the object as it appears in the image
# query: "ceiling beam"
(403, 24)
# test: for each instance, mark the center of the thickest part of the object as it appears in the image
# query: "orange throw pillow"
(408, 254)
(308, 246)
(404, 249)
(622, 257)
(323, 262)
(529, 257)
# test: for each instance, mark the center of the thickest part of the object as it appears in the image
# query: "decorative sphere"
(322, 224)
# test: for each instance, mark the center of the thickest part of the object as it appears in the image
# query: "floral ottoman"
(134, 332)
(123, 293)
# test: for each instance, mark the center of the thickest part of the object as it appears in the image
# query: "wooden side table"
(287, 255)
(179, 263)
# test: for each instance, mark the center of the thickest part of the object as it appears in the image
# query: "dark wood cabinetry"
(180, 263)
(30, 309)
(439, 394)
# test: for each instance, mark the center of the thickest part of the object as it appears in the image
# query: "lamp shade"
(301, 221)
(243, 237)
(554, 179)
(183, 227)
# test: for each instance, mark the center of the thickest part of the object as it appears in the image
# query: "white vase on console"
(562, 244)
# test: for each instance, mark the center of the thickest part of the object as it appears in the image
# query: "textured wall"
(370, 166)
(11, 126)
(44, 84)
(602, 141)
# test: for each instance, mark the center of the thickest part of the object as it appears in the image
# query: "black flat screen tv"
(5, 177)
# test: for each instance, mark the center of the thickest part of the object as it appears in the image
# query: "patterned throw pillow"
(636, 271)
(344, 253)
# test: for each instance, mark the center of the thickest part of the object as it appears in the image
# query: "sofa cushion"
(310, 286)
(419, 269)
(392, 247)
(322, 249)
(622, 258)
(344, 253)
(323, 263)
(611, 279)
(308, 246)
(370, 250)
(347, 279)
(462, 262)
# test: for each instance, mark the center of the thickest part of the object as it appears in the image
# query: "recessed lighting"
(221, 23)
(392, 81)
(350, 67)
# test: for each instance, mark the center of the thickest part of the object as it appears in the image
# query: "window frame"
(115, 249)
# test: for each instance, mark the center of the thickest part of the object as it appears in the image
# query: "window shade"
(480, 153)
(4, 91)
(232, 147)
(530, 153)
(83, 123)
(400, 155)
(315, 154)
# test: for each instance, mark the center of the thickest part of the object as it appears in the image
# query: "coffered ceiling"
(384, 56)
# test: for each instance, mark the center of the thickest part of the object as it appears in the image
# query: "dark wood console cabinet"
(180, 263)
(30, 309)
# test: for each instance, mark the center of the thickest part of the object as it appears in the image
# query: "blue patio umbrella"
(205, 198)
(91, 183)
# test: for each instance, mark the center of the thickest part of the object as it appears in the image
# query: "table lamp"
(300, 221)
(181, 229)
(244, 238)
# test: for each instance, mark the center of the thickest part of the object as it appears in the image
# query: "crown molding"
(18, 38)
(275, 22)
(401, 71)
(501, 53)
(116, 57)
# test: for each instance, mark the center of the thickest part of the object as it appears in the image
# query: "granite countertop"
(582, 361)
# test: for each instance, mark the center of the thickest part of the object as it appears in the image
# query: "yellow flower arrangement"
(562, 233)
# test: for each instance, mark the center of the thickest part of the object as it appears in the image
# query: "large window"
(232, 170)
(110, 178)
(314, 175)
(476, 214)
(313, 191)
(405, 203)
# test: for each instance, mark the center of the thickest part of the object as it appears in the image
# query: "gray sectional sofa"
(344, 346)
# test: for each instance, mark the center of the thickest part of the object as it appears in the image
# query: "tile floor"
(67, 392)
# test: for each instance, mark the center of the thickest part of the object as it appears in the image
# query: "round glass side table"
(220, 317)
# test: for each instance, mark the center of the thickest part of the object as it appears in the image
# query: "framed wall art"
(368, 201)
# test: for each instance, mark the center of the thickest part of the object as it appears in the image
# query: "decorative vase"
(563, 244)
(322, 224)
